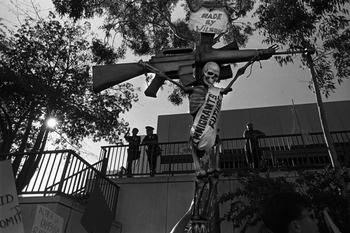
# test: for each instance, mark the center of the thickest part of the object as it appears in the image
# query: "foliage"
(325, 190)
(323, 25)
(103, 53)
(321, 187)
(246, 201)
(146, 27)
(176, 97)
(142, 25)
(45, 72)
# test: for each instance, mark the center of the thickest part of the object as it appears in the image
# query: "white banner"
(204, 20)
(204, 128)
(10, 212)
(47, 221)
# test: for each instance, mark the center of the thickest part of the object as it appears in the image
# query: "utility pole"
(322, 114)
(342, 175)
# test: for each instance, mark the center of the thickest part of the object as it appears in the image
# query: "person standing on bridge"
(134, 149)
(252, 150)
(153, 150)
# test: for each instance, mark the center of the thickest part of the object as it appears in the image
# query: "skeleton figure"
(205, 103)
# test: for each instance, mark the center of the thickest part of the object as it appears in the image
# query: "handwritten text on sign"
(214, 21)
(10, 212)
(47, 221)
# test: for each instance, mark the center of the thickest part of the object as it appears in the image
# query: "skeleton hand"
(273, 48)
(241, 70)
(267, 52)
(224, 91)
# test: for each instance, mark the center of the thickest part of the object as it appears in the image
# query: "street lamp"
(51, 123)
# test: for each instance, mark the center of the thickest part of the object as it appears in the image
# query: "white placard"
(10, 212)
(209, 21)
(47, 221)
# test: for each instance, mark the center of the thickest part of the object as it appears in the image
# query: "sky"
(268, 85)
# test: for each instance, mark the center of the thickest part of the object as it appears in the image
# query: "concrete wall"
(271, 120)
(147, 205)
(71, 211)
(155, 204)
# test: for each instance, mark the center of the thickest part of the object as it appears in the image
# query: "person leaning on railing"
(252, 150)
(153, 149)
(134, 149)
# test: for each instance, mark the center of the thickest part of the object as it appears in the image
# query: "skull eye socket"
(212, 75)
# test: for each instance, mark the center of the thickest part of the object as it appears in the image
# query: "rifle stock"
(109, 75)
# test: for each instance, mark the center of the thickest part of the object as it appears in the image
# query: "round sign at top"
(209, 21)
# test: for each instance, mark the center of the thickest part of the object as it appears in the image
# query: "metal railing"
(291, 151)
(64, 172)
(307, 150)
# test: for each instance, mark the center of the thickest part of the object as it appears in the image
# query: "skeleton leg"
(218, 151)
(212, 186)
(200, 185)
(214, 160)
(207, 200)
(196, 161)
(199, 221)
(212, 207)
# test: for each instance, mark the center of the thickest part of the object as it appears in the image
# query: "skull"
(211, 72)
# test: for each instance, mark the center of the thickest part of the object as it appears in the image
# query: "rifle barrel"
(294, 52)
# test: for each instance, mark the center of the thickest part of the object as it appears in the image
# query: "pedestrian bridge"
(64, 181)
(278, 152)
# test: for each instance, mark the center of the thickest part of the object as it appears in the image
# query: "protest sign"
(47, 221)
(209, 21)
(10, 212)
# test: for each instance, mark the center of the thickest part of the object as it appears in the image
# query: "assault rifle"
(177, 64)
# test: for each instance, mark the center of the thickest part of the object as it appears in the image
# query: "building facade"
(276, 120)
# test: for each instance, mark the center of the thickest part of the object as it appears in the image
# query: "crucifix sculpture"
(197, 71)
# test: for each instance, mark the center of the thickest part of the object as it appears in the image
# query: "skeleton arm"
(241, 70)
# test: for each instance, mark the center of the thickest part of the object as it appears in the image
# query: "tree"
(146, 27)
(322, 25)
(319, 25)
(324, 188)
(44, 72)
(321, 187)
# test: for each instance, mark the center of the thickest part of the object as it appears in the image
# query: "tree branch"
(173, 27)
(6, 115)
